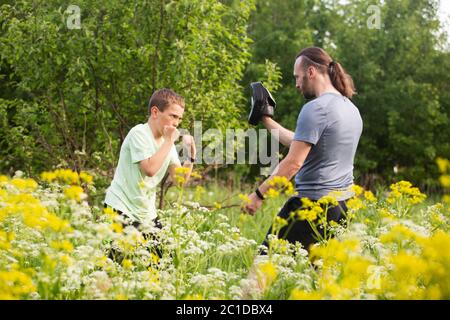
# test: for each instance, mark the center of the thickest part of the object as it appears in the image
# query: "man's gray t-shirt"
(333, 125)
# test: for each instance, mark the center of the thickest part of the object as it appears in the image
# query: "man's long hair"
(322, 61)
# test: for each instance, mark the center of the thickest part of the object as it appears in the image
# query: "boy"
(147, 152)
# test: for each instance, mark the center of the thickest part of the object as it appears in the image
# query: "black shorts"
(115, 255)
(300, 230)
(133, 223)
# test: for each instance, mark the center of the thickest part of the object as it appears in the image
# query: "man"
(146, 154)
(323, 146)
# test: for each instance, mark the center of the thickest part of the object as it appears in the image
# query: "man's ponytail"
(341, 80)
(320, 59)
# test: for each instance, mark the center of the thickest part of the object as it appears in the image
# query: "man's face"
(302, 81)
(171, 116)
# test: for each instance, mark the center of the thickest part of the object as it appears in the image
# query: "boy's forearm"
(155, 162)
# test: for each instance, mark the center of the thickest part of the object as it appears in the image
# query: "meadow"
(56, 243)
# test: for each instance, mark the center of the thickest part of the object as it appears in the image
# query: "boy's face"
(171, 116)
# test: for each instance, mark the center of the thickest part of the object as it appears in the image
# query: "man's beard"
(306, 91)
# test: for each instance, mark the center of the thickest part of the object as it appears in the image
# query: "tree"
(82, 89)
(402, 94)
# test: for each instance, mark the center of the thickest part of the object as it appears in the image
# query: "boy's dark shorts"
(157, 249)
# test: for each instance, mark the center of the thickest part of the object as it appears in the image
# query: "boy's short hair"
(162, 98)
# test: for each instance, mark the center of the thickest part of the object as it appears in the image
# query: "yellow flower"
(278, 181)
(384, 213)
(5, 239)
(404, 189)
(180, 175)
(48, 176)
(74, 192)
(85, 177)
(408, 265)
(395, 194)
(280, 184)
(311, 209)
(399, 233)
(279, 245)
(297, 294)
(196, 296)
(307, 203)
(196, 175)
(127, 264)
(117, 227)
(290, 191)
(38, 217)
(335, 250)
(3, 179)
(110, 213)
(217, 205)
(67, 176)
(278, 223)
(446, 199)
(155, 258)
(358, 190)
(272, 193)
(15, 285)
(355, 204)
(314, 212)
(445, 180)
(368, 195)
(443, 164)
(64, 245)
(303, 214)
(153, 275)
(50, 263)
(245, 200)
(66, 260)
(328, 201)
(334, 224)
(266, 273)
(101, 262)
(24, 184)
(182, 170)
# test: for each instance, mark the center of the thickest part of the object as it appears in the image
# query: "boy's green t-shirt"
(131, 191)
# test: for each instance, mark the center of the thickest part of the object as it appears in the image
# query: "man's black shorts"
(301, 230)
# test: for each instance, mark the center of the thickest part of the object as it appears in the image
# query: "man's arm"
(285, 136)
(288, 167)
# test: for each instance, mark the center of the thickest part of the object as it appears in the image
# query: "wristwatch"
(259, 194)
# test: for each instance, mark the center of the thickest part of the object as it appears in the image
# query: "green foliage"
(69, 96)
(400, 72)
(77, 92)
(279, 30)
(394, 68)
